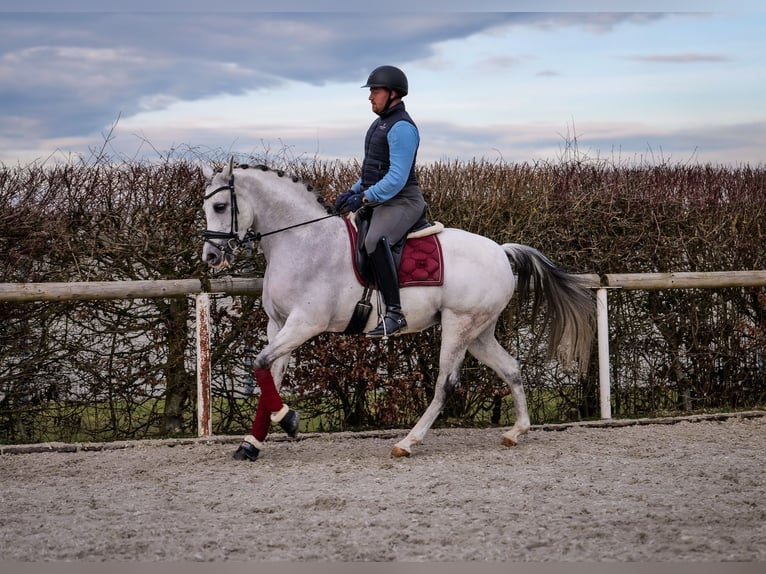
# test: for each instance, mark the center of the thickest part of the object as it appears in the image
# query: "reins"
(257, 236)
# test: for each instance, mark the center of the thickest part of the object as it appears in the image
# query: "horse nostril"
(212, 258)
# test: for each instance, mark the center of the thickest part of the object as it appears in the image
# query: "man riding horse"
(388, 188)
(466, 304)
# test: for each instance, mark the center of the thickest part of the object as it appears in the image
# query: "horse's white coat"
(310, 287)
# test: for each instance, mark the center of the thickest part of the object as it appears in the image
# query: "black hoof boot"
(246, 451)
(290, 423)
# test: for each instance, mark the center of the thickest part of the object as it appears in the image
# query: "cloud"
(65, 77)
(78, 71)
(499, 63)
(610, 141)
(681, 58)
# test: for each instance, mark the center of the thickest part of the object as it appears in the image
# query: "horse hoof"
(246, 451)
(399, 452)
(509, 442)
(290, 423)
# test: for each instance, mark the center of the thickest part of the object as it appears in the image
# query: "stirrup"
(388, 326)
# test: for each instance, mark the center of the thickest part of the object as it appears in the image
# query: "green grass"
(105, 422)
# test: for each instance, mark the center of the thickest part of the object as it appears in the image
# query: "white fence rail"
(652, 282)
(83, 291)
(93, 290)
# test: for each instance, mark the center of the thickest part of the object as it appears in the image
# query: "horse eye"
(220, 207)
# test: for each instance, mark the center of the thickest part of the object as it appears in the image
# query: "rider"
(388, 186)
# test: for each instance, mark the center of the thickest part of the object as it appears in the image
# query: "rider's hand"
(342, 199)
(354, 202)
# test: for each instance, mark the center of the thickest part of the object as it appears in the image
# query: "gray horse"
(310, 286)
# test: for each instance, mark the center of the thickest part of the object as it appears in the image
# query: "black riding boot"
(387, 277)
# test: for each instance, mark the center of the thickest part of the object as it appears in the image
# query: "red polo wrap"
(270, 402)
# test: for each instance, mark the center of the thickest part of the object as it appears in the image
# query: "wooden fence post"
(204, 399)
(604, 384)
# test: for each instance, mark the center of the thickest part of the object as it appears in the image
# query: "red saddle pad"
(422, 260)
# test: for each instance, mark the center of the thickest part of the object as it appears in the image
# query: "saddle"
(418, 255)
(418, 258)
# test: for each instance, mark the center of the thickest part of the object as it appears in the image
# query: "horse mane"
(281, 173)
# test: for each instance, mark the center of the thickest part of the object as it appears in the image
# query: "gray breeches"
(394, 218)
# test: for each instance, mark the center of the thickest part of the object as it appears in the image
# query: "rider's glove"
(342, 199)
(354, 202)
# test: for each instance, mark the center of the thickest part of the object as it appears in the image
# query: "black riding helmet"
(389, 77)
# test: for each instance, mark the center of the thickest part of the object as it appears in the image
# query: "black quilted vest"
(376, 154)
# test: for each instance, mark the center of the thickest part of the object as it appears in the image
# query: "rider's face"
(378, 98)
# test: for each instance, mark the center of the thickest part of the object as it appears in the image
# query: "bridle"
(231, 237)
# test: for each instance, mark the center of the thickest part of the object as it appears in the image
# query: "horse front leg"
(269, 368)
(270, 409)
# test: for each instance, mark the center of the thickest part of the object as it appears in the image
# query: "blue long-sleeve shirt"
(403, 140)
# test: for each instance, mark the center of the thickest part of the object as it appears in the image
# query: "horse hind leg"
(461, 333)
(445, 386)
(487, 350)
(451, 355)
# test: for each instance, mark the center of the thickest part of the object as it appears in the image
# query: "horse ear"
(230, 167)
(207, 171)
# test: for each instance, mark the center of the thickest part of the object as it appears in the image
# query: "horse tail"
(570, 304)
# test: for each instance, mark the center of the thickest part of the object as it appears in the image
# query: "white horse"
(310, 287)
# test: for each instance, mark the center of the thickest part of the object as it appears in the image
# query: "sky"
(624, 82)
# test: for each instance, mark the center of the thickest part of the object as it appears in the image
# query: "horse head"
(284, 202)
(224, 232)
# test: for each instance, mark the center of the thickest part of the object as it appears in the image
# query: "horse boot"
(288, 419)
(387, 277)
(249, 449)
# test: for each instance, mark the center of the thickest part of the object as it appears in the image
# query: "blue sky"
(678, 82)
